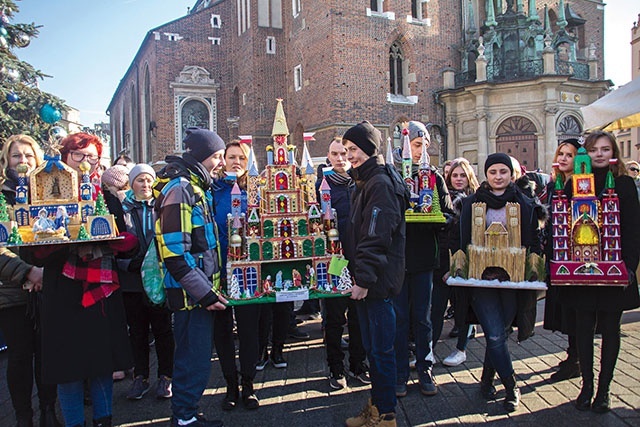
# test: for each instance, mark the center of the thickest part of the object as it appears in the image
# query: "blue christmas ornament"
(50, 114)
(3, 31)
(12, 97)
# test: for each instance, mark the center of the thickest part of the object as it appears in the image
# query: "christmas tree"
(82, 233)
(101, 206)
(23, 107)
(4, 215)
(14, 237)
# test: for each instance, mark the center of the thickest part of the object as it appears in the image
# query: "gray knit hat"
(138, 169)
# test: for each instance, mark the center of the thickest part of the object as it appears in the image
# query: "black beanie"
(500, 158)
(365, 136)
(202, 143)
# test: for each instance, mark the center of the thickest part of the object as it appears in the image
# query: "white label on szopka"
(297, 295)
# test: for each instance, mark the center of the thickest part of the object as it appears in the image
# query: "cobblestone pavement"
(300, 395)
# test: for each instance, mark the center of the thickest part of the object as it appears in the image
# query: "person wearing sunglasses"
(633, 169)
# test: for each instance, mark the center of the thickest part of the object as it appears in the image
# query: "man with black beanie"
(186, 240)
(375, 248)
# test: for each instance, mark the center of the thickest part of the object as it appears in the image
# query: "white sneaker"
(456, 358)
(412, 360)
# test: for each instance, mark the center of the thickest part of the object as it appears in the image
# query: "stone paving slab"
(300, 395)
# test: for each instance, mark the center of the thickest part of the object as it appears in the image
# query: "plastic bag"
(153, 276)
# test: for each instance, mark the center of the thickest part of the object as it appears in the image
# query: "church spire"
(533, 13)
(562, 20)
(491, 15)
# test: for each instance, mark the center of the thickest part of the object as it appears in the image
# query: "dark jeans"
(377, 320)
(23, 349)
(335, 320)
(141, 314)
(413, 303)
(193, 331)
(72, 399)
(609, 327)
(247, 320)
(439, 299)
(274, 320)
(496, 309)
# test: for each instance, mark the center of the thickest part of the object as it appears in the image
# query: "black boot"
(25, 420)
(512, 398)
(48, 416)
(569, 368)
(602, 402)
(583, 402)
(102, 422)
(249, 399)
(487, 389)
(230, 400)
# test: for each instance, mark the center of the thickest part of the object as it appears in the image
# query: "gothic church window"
(376, 5)
(418, 10)
(244, 15)
(396, 70)
(297, 77)
(297, 7)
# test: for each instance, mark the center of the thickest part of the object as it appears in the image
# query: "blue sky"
(87, 45)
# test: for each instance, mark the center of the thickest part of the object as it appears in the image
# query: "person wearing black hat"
(374, 246)
(496, 309)
(187, 246)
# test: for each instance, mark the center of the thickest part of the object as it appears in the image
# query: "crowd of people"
(76, 335)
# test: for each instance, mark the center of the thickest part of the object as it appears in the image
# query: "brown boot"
(363, 417)
(381, 420)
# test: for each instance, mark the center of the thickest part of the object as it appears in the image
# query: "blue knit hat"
(202, 143)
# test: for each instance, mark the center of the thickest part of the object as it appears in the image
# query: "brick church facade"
(335, 63)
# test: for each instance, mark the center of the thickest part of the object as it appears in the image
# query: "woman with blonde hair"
(558, 317)
(17, 319)
(461, 182)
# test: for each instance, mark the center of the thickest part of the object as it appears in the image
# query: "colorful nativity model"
(425, 200)
(52, 208)
(286, 247)
(586, 231)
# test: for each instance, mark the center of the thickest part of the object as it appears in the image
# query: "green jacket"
(13, 272)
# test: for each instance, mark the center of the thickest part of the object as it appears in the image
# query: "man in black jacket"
(342, 187)
(375, 249)
(413, 304)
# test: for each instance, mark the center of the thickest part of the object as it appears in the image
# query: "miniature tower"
(611, 243)
(310, 175)
(406, 163)
(279, 132)
(561, 219)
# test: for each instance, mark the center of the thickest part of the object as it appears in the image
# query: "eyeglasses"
(634, 169)
(79, 157)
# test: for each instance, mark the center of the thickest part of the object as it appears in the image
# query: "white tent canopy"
(619, 109)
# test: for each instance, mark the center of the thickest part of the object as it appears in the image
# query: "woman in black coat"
(84, 330)
(18, 308)
(558, 317)
(496, 309)
(603, 305)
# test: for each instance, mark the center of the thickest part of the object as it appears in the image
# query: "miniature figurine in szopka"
(285, 230)
(52, 190)
(425, 201)
(586, 239)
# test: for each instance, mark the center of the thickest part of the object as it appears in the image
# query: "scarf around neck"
(484, 194)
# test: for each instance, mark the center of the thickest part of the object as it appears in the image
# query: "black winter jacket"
(376, 237)
(422, 249)
(525, 299)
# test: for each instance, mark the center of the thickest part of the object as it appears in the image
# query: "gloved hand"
(126, 245)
